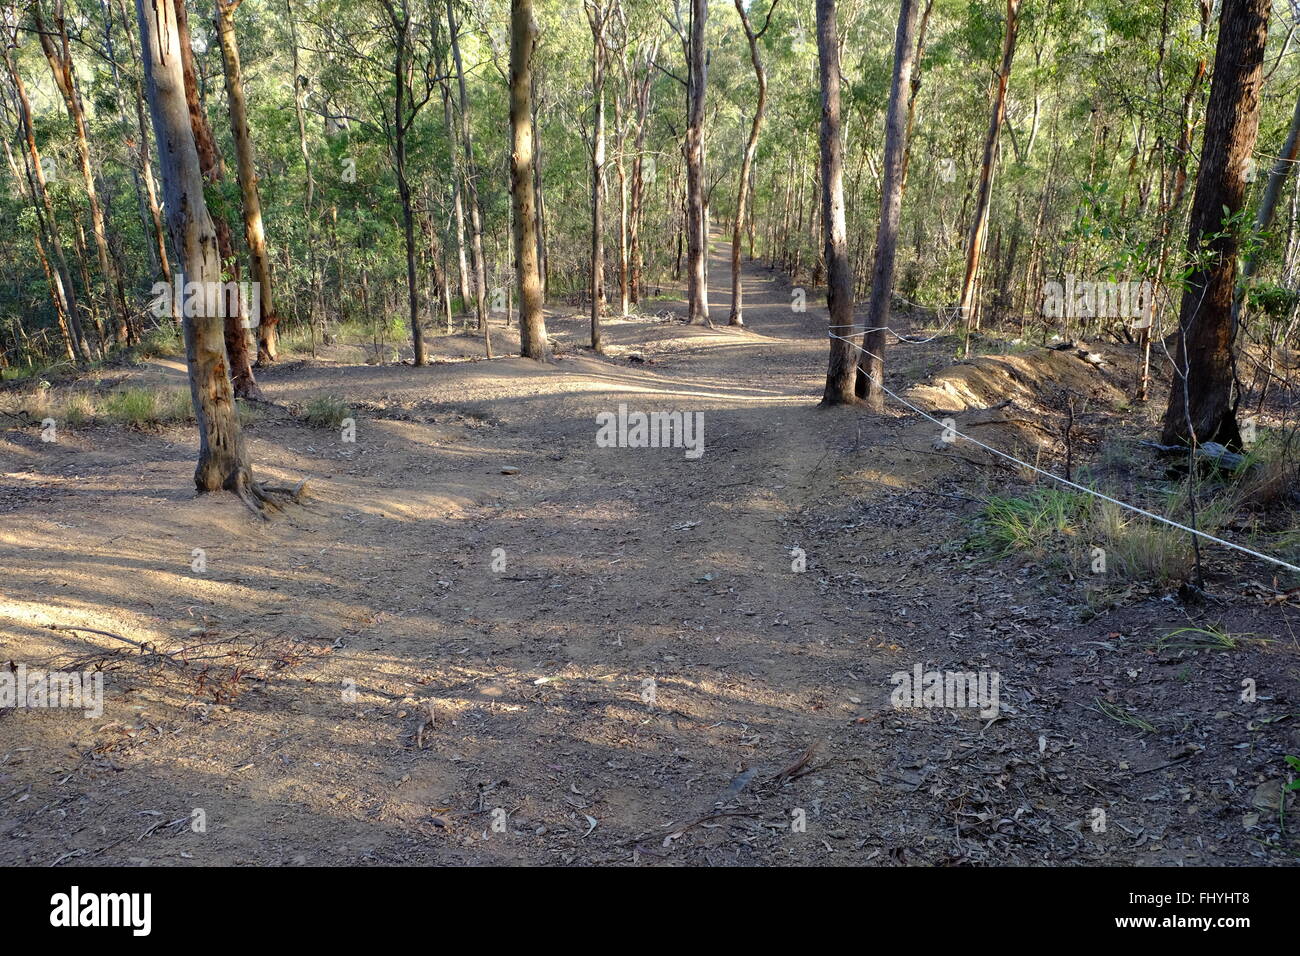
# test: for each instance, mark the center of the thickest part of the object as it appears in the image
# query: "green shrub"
(166, 339)
(1139, 549)
(326, 411)
(142, 407)
(1032, 522)
(78, 409)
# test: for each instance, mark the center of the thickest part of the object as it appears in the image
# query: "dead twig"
(93, 630)
(792, 771)
(146, 649)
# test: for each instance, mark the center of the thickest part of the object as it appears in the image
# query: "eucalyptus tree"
(1202, 401)
(842, 369)
(223, 462)
(753, 37)
(523, 38)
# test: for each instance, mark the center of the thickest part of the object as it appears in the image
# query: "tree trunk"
(871, 365)
(316, 317)
(543, 263)
(621, 111)
(213, 170)
(638, 177)
(1277, 176)
(1201, 402)
(223, 462)
(44, 205)
(462, 265)
(146, 163)
(267, 319)
(737, 316)
(401, 29)
(596, 13)
(142, 147)
(52, 277)
(61, 68)
(471, 182)
(1173, 186)
(433, 252)
(915, 90)
(523, 37)
(438, 264)
(696, 240)
(79, 247)
(980, 219)
(843, 366)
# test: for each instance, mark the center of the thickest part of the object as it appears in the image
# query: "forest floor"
(645, 679)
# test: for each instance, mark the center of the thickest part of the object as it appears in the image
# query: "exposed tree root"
(261, 497)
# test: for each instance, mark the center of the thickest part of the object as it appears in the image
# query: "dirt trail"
(642, 676)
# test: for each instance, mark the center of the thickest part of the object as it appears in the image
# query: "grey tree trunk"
(399, 16)
(462, 264)
(1277, 176)
(737, 316)
(316, 318)
(146, 161)
(871, 364)
(542, 258)
(915, 88)
(843, 366)
(637, 212)
(596, 17)
(696, 239)
(471, 182)
(223, 462)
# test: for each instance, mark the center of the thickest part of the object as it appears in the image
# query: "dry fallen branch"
(219, 674)
(146, 650)
(792, 772)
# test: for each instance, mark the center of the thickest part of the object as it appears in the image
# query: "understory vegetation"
(1254, 504)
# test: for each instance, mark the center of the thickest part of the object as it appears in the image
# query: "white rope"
(953, 312)
(1071, 484)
